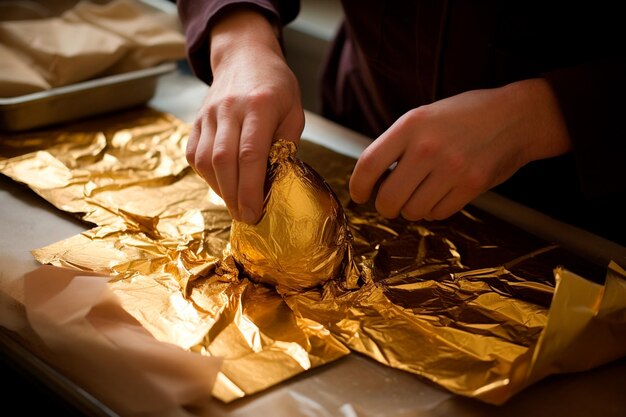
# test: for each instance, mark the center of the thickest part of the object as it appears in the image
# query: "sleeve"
(592, 97)
(198, 16)
(590, 85)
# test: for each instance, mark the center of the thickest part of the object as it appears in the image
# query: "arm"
(584, 77)
(254, 98)
(198, 17)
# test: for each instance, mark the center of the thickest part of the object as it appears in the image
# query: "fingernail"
(247, 215)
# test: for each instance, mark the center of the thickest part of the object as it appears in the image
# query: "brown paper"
(62, 52)
(88, 41)
(152, 36)
(17, 77)
(98, 345)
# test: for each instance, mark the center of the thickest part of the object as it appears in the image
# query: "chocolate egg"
(302, 236)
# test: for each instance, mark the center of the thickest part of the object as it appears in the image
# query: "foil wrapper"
(302, 237)
(471, 303)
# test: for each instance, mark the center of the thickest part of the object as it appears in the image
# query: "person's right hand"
(253, 100)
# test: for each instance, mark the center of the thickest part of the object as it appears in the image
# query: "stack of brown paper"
(88, 41)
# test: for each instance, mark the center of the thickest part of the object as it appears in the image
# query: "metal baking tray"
(82, 99)
(79, 100)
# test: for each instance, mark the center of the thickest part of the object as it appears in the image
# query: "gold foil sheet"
(471, 303)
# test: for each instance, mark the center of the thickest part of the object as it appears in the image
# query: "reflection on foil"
(468, 303)
(302, 237)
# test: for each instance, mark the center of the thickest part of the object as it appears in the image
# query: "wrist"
(242, 31)
(541, 118)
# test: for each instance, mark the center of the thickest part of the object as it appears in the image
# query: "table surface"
(353, 385)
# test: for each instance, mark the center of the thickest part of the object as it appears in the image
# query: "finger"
(453, 202)
(397, 188)
(446, 190)
(427, 195)
(224, 161)
(200, 150)
(192, 142)
(291, 127)
(371, 165)
(256, 138)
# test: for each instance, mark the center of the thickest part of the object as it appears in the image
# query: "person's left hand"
(449, 152)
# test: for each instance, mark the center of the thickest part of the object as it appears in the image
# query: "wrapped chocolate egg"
(302, 236)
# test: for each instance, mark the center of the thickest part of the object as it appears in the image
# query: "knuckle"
(420, 114)
(456, 163)
(475, 180)
(202, 163)
(260, 96)
(357, 191)
(221, 157)
(367, 166)
(426, 148)
(190, 155)
(366, 160)
(225, 104)
(250, 154)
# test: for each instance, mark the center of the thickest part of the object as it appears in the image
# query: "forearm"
(199, 17)
(536, 119)
(254, 98)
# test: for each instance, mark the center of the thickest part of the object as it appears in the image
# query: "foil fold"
(471, 303)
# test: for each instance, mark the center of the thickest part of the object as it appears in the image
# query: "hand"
(254, 99)
(453, 150)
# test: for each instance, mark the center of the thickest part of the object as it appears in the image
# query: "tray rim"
(156, 70)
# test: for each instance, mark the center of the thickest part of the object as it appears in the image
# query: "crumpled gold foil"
(302, 237)
(471, 303)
